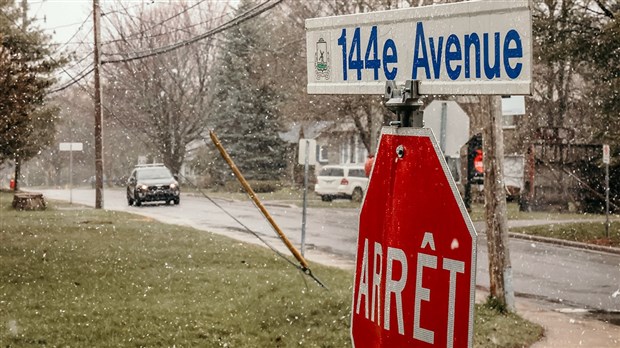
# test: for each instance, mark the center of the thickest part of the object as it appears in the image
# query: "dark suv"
(150, 183)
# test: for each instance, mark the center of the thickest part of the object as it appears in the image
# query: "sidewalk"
(567, 330)
(564, 328)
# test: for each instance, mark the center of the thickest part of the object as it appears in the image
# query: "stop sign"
(416, 258)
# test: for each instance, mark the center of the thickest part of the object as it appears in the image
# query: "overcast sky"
(61, 18)
(71, 20)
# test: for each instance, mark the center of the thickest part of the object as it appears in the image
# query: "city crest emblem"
(322, 60)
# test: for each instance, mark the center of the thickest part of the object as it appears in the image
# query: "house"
(336, 143)
(340, 143)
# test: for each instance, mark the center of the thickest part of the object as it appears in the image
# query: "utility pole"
(98, 111)
(24, 15)
(500, 270)
(18, 159)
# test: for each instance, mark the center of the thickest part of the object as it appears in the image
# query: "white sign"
(307, 146)
(467, 48)
(70, 147)
(450, 125)
(513, 105)
(514, 171)
(606, 155)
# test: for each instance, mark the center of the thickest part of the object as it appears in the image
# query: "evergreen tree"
(245, 116)
(26, 121)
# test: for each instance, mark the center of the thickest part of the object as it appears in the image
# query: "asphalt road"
(567, 276)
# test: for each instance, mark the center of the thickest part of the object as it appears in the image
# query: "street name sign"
(415, 272)
(70, 147)
(467, 48)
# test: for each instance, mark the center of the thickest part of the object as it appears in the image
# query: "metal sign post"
(70, 147)
(606, 160)
(307, 156)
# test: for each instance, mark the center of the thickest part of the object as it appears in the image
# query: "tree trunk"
(500, 271)
(18, 170)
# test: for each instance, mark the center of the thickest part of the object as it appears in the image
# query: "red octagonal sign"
(415, 272)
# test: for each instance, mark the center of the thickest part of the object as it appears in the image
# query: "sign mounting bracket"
(405, 103)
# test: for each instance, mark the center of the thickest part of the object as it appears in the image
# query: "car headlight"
(173, 186)
(143, 187)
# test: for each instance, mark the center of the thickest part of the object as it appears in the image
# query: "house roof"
(310, 131)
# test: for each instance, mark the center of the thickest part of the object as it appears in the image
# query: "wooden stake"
(257, 201)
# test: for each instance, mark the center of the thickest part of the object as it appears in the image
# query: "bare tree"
(162, 99)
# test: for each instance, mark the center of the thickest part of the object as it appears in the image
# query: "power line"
(133, 36)
(251, 13)
(76, 32)
(170, 18)
(71, 24)
(124, 9)
(74, 80)
(80, 60)
(141, 20)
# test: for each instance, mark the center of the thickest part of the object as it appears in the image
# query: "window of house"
(362, 153)
(352, 150)
(344, 152)
(322, 154)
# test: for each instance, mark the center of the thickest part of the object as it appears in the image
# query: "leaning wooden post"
(257, 201)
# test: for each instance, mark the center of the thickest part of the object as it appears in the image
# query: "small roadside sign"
(606, 154)
(513, 105)
(415, 272)
(307, 148)
(466, 48)
(70, 147)
(448, 120)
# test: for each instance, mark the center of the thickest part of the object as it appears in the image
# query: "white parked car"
(341, 181)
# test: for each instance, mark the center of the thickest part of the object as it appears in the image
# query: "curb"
(579, 245)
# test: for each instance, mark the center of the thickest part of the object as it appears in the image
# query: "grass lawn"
(513, 213)
(92, 278)
(585, 232)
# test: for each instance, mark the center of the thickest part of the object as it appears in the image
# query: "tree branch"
(605, 10)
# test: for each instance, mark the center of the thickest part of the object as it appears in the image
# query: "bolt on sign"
(415, 272)
(467, 48)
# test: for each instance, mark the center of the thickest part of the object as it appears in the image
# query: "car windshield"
(153, 173)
